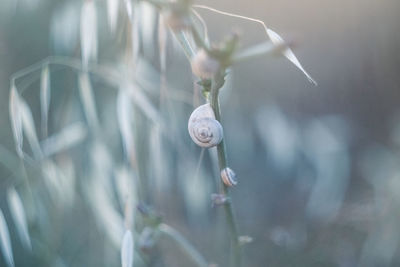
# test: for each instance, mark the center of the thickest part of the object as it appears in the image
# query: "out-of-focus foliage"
(318, 167)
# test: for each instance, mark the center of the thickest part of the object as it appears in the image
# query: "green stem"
(217, 83)
(184, 244)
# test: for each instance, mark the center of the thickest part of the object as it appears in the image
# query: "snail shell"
(228, 177)
(203, 128)
(203, 65)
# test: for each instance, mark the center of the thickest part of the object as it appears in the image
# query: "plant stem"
(184, 244)
(216, 84)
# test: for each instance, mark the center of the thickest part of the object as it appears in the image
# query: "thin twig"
(233, 15)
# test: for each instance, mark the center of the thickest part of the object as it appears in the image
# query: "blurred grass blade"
(124, 113)
(147, 25)
(129, 9)
(135, 36)
(279, 137)
(101, 163)
(16, 120)
(18, 214)
(64, 28)
(162, 51)
(288, 53)
(127, 249)
(126, 190)
(51, 175)
(112, 12)
(88, 32)
(144, 103)
(102, 205)
(160, 170)
(68, 137)
(45, 97)
(5, 243)
(60, 180)
(29, 128)
(88, 102)
(162, 44)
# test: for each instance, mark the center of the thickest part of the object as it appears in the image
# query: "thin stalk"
(200, 42)
(217, 83)
(185, 44)
(184, 244)
(103, 72)
(204, 26)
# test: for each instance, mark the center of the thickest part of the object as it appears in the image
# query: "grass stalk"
(217, 83)
(106, 73)
(185, 44)
(184, 244)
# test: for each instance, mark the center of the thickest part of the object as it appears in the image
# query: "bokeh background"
(319, 167)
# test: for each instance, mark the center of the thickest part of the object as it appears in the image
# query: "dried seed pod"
(203, 128)
(204, 65)
(228, 177)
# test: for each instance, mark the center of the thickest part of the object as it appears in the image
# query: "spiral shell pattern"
(228, 177)
(203, 128)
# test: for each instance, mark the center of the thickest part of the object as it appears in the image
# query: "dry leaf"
(288, 53)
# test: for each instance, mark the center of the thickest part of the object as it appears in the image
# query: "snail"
(228, 177)
(204, 66)
(203, 128)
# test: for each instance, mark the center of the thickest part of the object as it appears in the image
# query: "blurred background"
(318, 167)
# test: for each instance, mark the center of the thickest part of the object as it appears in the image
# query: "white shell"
(228, 177)
(204, 66)
(203, 128)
